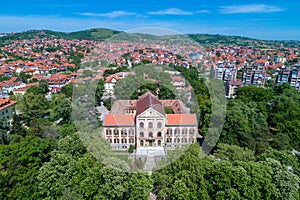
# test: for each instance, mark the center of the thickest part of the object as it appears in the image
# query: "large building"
(254, 75)
(145, 123)
(7, 109)
(289, 75)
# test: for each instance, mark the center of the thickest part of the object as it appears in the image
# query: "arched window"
(159, 142)
(116, 131)
(141, 124)
(159, 125)
(142, 143)
(150, 134)
(178, 140)
(158, 134)
(150, 125)
(169, 132)
(123, 132)
(177, 131)
(192, 131)
(184, 131)
(108, 131)
(141, 134)
(131, 131)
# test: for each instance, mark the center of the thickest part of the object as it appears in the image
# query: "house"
(8, 86)
(110, 83)
(178, 82)
(144, 123)
(7, 109)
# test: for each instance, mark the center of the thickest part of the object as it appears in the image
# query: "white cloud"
(170, 11)
(203, 11)
(249, 8)
(113, 14)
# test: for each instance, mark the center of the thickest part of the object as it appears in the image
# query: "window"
(150, 134)
(131, 140)
(158, 134)
(192, 131)
(123, 132)
(150, 125)
(169, 140)
(159, 142)
(177, 131)
(116, 132)
(169, 132)
(131, 131)
(159, 125)
(141, 124)
(142, 143)
(108, 131)
(178, 140)
(141, 134)
(184, 131)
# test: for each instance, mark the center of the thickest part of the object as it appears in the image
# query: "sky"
(274, 20)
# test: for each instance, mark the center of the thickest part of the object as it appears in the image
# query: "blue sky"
(274, 19)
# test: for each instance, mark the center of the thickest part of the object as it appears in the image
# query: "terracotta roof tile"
(118, 120)
(181, 119)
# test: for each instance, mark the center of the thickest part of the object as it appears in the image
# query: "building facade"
(144, 123)
(7, 109)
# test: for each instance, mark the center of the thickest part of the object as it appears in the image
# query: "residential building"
(231, 87)
(7, 109)
(254, 75)
(110, 83)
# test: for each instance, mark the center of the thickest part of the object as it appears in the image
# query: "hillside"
(91, 34)
(103, 34)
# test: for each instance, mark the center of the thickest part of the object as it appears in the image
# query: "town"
(150, 98)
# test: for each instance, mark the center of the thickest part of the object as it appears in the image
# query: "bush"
(131, 149)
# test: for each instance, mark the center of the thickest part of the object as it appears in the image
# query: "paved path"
(150, 162)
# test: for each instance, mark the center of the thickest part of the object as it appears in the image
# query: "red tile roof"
(181, 119)
(118, 120)
(4, 103)
(148, 100)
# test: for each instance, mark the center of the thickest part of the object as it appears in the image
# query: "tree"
(67, 90)
(17, 127)
(286, 158)
(61, 108)
(54, 176)
(234, 153)
(140, 186)
(20, 161)
(33, 106)
(35, 90)
(43, 84)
